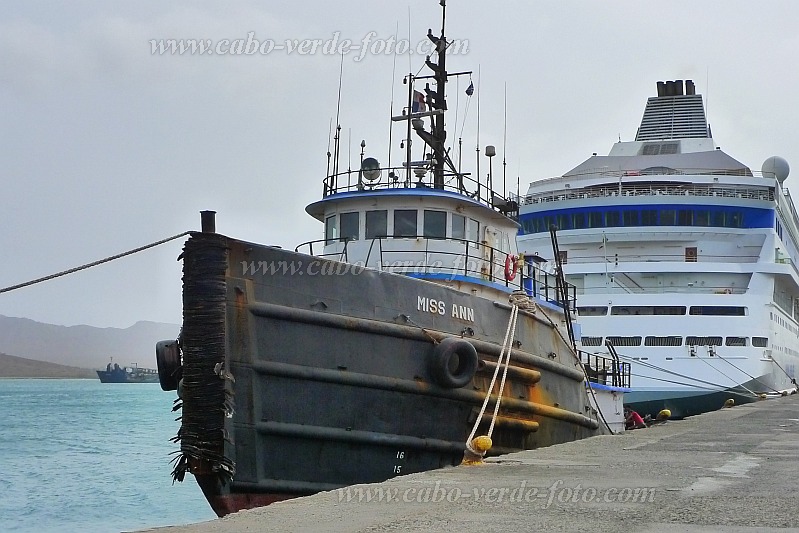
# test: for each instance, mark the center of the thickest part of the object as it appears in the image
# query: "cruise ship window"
(563, 222)
(623, 341)
(405, 223)
(376, 224)
(718, 219)
(435, 224)
(350, 226)
(578, 220)
(591, 341)
(685, 217)
(631, 218)
(735, 220)
(648, 310)
(649, 217)
(668, 217)
(663, 341)
(760, 342)
(459, 226)
(717, 310)
(703, 341)
(735, 341)
(596, 220)
(702, 218)
(331, 229)
(593, 311)
(612, 219)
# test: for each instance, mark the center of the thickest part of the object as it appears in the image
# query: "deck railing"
(446, 258)
(418, 177)
(655, 189)
(605, 370)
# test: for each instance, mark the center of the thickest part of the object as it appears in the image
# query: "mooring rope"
(507, 344)
(793, 379)
(93, 263)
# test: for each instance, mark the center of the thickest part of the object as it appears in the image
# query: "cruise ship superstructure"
(683, 259)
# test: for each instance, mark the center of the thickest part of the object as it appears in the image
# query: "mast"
(437, 100)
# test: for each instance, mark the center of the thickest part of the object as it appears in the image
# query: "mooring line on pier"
(93, 263)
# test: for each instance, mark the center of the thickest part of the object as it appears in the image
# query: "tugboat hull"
(303, 375)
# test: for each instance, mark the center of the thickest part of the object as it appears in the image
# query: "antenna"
(410, 56)
(337, 144)
(505, 141)
(391, 110)
(327, 172)
(478, 132)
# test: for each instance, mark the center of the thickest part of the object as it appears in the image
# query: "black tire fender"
(167, 355)
(453, 362)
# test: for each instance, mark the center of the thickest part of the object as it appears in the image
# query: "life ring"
(453, 362)
(511, 267)
(170, 370)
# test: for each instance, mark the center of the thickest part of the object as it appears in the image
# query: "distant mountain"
(19, 367)
(83, 346)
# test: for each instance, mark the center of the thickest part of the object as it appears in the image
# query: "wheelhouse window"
(459, 227)
(331, 229)
(376, 224)
(350, 226)
(435, 224)
(405, 223)
(473, 232)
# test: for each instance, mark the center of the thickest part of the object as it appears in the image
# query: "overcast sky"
(105, 146)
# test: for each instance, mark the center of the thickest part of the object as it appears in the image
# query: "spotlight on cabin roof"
(370, 168)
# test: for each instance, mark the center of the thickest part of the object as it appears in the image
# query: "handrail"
(605, 370)
(544, 283)
(654, 189)
(393, 179)
(662, 171)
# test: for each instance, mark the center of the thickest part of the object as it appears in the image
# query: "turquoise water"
(79, 455)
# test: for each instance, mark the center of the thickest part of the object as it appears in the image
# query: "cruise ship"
(683, 259)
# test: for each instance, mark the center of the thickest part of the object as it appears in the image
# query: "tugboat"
(383, 349)
(114, 373)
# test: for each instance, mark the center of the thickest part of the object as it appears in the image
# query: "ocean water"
(79, 455)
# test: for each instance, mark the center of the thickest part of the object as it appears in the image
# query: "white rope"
(514, 315)
(505, 345)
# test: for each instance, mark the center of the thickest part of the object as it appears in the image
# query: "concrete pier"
(733, 470)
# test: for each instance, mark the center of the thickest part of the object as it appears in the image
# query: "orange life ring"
(511, 267)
